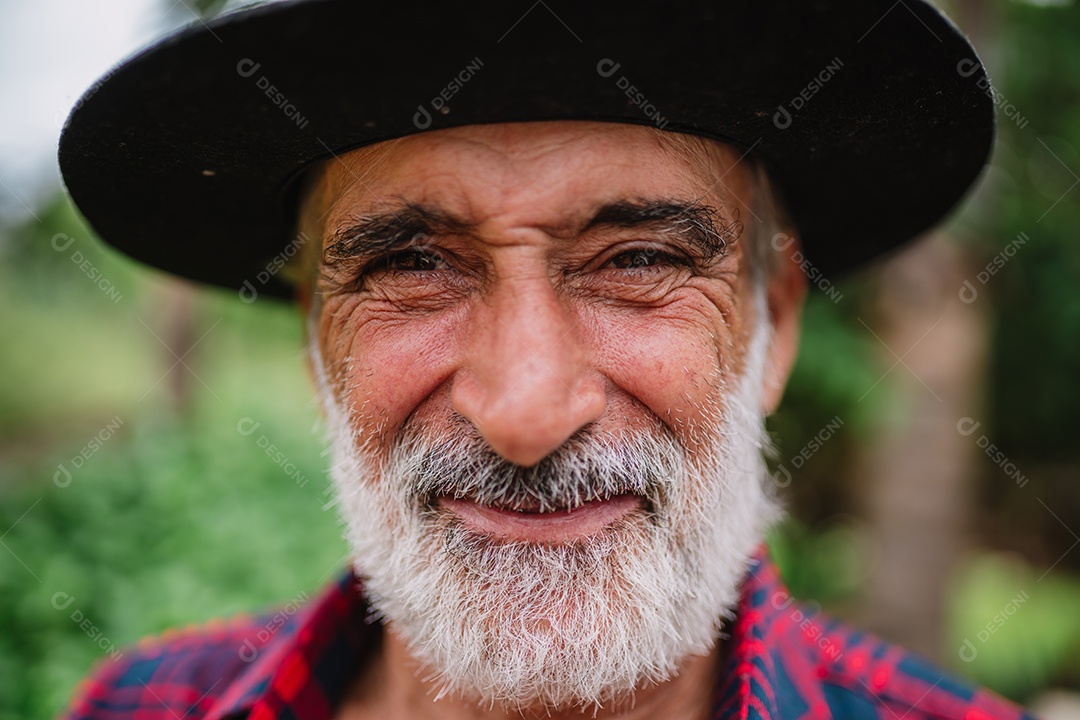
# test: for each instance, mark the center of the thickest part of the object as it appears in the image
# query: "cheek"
(387, 366)
(675, 362)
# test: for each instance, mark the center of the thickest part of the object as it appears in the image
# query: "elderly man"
(547, 311)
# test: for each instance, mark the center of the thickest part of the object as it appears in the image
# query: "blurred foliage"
(165, 526)
(179, 517)
(1037, 169)
(1034, 376)
(1011, 630)
(822, 562)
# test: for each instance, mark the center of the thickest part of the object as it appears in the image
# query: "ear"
(785, 296)
(310, 212)
(303, 297)
(312, 371)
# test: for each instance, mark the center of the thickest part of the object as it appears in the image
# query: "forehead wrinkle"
(517, 162)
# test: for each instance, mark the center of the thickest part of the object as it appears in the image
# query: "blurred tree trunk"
(175, 324)
(916, 481)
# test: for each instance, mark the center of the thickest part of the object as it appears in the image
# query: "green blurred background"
(160, 451)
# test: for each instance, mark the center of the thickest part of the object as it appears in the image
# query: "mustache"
(460, 464)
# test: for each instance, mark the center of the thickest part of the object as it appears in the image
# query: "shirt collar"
(310, 659)
(771, 672)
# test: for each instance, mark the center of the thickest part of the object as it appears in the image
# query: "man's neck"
(392, 686)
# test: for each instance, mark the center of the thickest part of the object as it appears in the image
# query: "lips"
(528, 524)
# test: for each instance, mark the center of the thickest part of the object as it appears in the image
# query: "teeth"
(535, 507)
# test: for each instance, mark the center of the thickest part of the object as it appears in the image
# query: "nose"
(525, 382)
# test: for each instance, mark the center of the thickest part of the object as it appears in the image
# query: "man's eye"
(643, 258)
(412, 261)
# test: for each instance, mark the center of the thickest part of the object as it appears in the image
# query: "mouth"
(536, 525)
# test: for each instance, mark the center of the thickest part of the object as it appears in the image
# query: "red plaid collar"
(784, 663)
(307, 665)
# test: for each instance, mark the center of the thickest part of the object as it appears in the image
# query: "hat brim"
(873, 115)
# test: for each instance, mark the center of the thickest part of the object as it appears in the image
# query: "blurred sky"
(50, 51)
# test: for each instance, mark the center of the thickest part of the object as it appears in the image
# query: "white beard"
(574, 624)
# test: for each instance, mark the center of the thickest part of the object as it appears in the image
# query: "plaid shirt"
(785, 663)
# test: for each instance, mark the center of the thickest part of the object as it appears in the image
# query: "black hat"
(873, 115)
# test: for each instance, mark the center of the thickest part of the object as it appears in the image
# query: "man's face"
(543, 364)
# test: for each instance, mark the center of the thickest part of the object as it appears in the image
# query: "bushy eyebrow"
(701, 226)
(370, 235)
